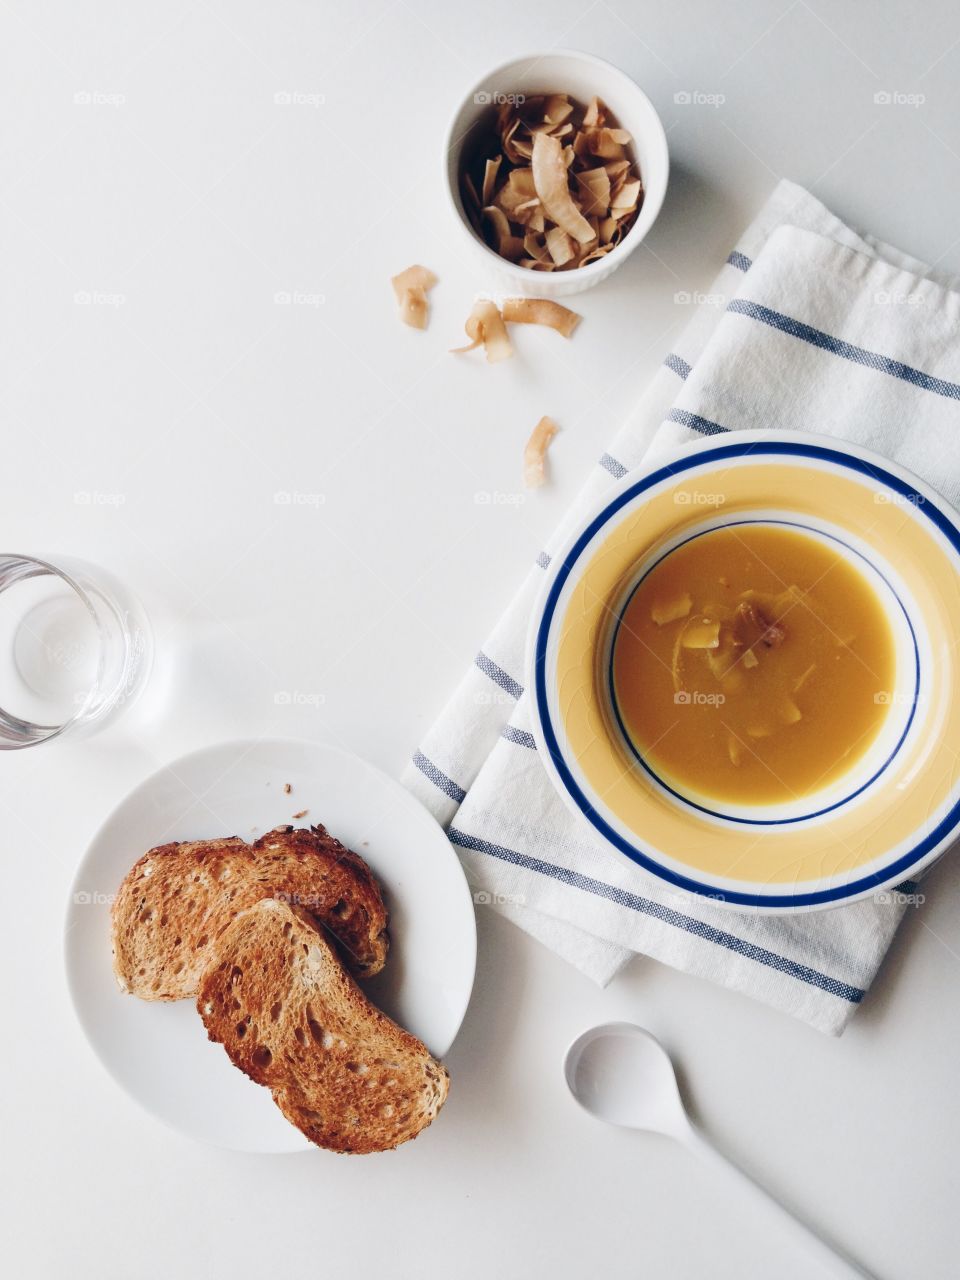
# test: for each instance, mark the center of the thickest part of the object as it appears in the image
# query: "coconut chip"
(485, 326)
(595, 187)
(486, 323)
(535, 453)
(671, 610)
(550, 180)
(701, 633)
(490, 178)
(561, 178)
(559, 246)
(626, 198)
(410, 288)
(541, 311)
(507, 245)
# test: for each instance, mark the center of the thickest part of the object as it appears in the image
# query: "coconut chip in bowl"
(551, 185)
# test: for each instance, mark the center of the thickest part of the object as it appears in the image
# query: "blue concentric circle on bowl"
(908, 699)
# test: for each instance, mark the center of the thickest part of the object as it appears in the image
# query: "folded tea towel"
(809, 326)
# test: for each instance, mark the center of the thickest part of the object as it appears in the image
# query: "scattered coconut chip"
(410, 288)
(414, 310)
(733, 749)
(413, 278)
(750, 660)
(485, 325)
(535, 453)
(541, 311)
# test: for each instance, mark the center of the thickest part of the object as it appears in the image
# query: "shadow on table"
(496, 1008)
(941, 890)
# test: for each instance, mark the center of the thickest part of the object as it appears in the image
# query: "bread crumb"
(302, 814)
(287, 788)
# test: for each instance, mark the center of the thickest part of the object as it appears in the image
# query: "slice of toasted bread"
(289, 1016)
(177, 899)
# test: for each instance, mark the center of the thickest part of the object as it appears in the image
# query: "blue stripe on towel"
(609, 463)
(740, 261)
(665, 915)
(846, 350)
(695, 422)
(498, 675)
(678, 365)
(519, 736)
(438, 778)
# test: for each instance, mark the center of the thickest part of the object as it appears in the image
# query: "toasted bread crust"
(178, 898)
(289, 1016)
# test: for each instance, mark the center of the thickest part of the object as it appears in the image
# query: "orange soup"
(753, 665)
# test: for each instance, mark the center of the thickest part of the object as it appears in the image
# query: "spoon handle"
(833, 1262)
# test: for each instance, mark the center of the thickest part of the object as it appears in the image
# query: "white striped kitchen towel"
(809, 326)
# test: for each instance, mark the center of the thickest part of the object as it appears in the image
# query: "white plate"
(159, 1052)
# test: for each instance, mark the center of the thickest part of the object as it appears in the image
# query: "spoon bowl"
(621, 1074)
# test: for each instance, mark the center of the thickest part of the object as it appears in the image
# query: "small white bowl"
(582, 76)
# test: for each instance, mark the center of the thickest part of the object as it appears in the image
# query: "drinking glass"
(75, 649)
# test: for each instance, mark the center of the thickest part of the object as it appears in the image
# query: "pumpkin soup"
(752, 665)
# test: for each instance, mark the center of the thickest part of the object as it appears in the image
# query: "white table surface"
(183, 399)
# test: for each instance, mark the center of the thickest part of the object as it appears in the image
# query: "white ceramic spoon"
(623, 1075)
